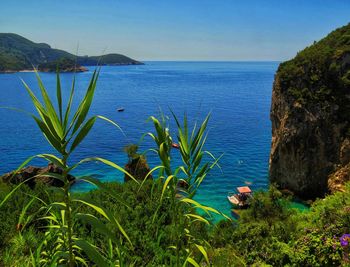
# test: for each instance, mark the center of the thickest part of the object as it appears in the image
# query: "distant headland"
(20, 54)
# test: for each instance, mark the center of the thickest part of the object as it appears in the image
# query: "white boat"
(240, 199)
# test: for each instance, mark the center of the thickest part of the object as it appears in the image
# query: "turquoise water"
(237, 93)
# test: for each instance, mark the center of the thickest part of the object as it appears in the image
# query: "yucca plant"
(64, 131)
(181, 185)
(163, 140)
(192, 152)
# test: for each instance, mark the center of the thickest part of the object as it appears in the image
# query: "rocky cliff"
(310, 114)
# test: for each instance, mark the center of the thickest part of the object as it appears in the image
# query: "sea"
(237, 94)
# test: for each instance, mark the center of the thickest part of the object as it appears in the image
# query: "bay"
(238, 95)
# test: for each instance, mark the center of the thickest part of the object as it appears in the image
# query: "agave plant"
(163, 140)
(191, 150)
(181, 185)
(64, 131)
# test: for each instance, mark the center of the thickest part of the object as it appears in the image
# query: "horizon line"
(210, 60)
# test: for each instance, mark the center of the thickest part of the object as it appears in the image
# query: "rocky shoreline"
(33, 175)
(78, 69)
(70, 69)
(67, 70)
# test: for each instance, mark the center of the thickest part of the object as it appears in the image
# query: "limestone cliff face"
(310, 114)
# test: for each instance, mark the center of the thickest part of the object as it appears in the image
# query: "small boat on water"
(174, 145)
(240, 200)
(120, 109)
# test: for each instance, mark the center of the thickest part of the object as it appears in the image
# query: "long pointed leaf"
(49, 107)
(86, 103)
(82, 133)
(166, 183)
(97, 224)
(105, 214)
(48, 135)
(101, 186)
(92, 252)
(107, 162)
(204, 252)
(59, 95)
(69, 105)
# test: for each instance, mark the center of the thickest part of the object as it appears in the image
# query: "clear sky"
(177, 29)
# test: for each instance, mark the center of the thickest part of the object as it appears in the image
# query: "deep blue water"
(237, 93)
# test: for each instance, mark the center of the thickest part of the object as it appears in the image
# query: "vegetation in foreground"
(156, 222)
(269, 233)
(62, 241)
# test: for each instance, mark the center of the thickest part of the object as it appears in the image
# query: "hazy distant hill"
(18, 53)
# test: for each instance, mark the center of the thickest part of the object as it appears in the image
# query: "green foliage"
(61, 64)
(272, 232)
(137, 164)
(151, 239)
(155, 222)
(131, 151)
(226, 256)
(11, 62)
(319, 75)
(180, 186)
(108, 59)
(69, 221)
(192, 152)
(163, 142)
(64, 133)
(267, 206)
(11, 211)
(19, 248)
(285, 237)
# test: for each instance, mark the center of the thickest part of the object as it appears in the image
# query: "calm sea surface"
(237, 93)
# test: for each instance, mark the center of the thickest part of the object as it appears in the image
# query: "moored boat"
(174, 145)
(241, 199)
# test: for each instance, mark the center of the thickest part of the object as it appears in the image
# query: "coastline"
(124, 78)
(69, 70)
(80, 69)
(26, 71)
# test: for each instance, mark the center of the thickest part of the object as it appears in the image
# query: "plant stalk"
(67, 201)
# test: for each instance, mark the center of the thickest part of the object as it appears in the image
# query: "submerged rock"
(31, 171)
(310, 115)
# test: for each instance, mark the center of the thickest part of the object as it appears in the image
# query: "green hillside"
(63, 64)
(18, 53)
(109, 59)
(321, 72)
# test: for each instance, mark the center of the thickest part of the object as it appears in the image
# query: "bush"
(271, 232)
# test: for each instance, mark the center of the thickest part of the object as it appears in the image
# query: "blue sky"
(178, 29)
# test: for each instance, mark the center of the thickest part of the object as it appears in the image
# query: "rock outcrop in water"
(310, 114)
(137, 164)
(32, 171)
(138, 168)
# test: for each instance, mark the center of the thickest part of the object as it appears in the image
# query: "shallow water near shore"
(237, 94)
